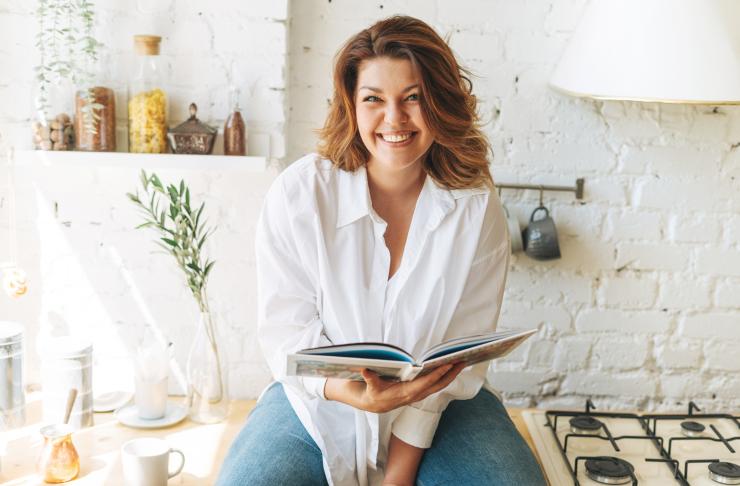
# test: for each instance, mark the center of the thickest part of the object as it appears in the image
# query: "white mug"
(146, 461)
(151, 398)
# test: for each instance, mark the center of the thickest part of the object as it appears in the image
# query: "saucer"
(129, 415)
(108, 402)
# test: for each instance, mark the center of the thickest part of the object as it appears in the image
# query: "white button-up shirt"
(322, 267)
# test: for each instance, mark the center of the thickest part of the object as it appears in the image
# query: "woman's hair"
(458, 156)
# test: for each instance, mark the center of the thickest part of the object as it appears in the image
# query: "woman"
(391, 233)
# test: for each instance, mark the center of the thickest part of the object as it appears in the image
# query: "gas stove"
(590, 447)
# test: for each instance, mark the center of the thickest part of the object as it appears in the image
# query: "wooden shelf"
(41, 158)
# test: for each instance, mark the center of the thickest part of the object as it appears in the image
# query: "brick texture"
(643, 310)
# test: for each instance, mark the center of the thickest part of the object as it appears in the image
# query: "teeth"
(395, 138)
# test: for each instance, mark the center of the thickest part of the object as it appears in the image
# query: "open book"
(390, 362)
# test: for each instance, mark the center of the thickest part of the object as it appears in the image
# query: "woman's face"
(389, 118)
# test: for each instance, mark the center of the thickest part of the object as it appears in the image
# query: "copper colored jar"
(59, 461)
(95, 129)
(235, 135)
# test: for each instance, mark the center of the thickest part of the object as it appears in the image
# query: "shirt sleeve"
(477, 312)
(288, 317)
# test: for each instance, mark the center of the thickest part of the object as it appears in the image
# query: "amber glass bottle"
(235, 133)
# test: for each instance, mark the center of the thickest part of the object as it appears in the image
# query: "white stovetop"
(632, 450)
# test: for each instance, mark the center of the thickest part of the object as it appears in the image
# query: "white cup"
(146, 462)
(151, 398)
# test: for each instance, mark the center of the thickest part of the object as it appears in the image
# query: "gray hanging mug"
(540, 237)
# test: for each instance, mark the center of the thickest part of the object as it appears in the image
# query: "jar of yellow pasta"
(147, 101)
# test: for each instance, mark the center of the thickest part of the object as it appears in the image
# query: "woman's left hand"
(379, 396)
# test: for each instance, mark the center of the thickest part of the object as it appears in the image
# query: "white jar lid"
(66, 347)
(10, 332)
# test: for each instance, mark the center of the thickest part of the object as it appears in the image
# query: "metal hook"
(542, 189)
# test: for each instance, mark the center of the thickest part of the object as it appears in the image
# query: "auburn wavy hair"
(457, 158)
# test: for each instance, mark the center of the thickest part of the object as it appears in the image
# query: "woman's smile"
(397, 139)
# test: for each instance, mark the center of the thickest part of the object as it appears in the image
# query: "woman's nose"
(395, 115)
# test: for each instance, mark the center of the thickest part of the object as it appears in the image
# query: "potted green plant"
(183, 233)
(68, 52)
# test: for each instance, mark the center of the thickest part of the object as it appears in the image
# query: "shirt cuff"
(416, 427)
(315, 386)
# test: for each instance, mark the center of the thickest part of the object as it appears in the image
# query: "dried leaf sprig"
(182, 229)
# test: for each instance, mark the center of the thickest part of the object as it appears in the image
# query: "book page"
(482, 352)
(343, 367)
(379, 351)
(466, 342)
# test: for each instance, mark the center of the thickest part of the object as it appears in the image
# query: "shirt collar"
(354, 197)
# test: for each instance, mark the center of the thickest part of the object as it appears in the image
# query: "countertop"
(204, 447)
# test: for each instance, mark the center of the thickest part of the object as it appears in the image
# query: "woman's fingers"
(370, 377)
(394, 395)
(418, 385)
(444, 378)
(448, 378)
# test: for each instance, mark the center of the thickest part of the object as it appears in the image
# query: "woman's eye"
(371, 98)
(413, 97)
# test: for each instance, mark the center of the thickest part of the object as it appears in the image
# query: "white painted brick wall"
(684, 293)
(643, 309)
(619, 354)
(718, 261)
(649, 274)
(629, 292)
(712, 325)
(727, 293)
(679, 355)
(619, 321)
(90, 272)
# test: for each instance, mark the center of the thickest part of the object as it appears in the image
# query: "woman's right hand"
(379, 396)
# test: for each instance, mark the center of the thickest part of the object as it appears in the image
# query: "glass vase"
(208, 397)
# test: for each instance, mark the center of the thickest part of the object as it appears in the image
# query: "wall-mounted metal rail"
(577, 189)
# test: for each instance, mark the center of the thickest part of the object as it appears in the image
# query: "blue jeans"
(475, 444)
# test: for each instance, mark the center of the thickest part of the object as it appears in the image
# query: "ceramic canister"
(66, 363)
(12, 401)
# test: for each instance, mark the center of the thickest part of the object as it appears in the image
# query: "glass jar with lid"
(95, 109)
(147, 101)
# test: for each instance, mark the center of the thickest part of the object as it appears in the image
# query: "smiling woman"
(389, 234)
(437, 100)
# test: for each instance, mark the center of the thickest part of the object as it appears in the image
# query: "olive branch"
(183, 233)
(182, 230)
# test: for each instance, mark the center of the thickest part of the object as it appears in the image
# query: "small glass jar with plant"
(183, 233)
(68, 52)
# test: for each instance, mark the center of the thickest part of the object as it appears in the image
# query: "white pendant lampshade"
(672, 51)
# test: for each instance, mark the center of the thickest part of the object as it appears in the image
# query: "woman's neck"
(394, 185)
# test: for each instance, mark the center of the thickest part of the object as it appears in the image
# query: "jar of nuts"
(54, 134)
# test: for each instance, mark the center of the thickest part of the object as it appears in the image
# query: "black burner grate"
(610, 470)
